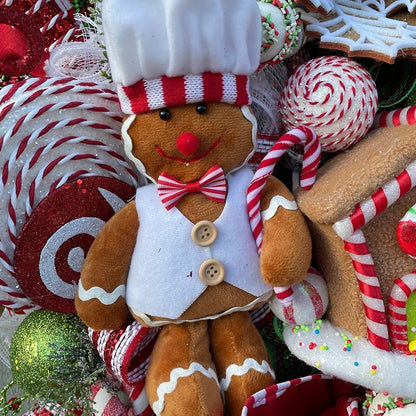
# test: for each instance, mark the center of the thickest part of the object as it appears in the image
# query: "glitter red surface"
(55, 217)
(35, 43)
(27, 31)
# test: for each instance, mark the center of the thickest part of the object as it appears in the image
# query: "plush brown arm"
(106, 267)
(287, 247)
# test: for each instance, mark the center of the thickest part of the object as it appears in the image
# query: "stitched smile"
(179, 159)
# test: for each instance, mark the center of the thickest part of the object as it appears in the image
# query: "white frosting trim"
(276, 202)
(177, 373)
(240, 370)
(100, 294)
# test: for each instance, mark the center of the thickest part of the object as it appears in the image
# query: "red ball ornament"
(22, 45)
(51, 247)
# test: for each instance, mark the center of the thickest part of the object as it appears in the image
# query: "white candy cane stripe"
(57, 18)
(170, 386)
(270, 394)
(385, 196)
(54, 130)
(37, 6)
(402, 289)
(369, 286)
(401, 117)
(353, 408)
(311, 157)
(235, 370)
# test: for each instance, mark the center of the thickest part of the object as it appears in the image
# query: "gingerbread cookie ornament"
(183, 256)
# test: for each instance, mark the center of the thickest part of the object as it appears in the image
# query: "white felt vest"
(164, 273)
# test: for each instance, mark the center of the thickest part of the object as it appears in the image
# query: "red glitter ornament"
(23, 36)
(51, 247)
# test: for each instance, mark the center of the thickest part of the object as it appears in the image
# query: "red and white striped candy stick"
(370, 290)
(402, 289)
(401, 117)
(311, 156)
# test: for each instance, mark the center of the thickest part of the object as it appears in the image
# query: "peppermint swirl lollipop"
(334, 96)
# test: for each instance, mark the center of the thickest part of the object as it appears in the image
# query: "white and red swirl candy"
(334, 96)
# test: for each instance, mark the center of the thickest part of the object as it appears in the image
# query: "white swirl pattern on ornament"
(56, 130)
(334, 96)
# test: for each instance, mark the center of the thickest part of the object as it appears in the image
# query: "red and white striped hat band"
(147, 95)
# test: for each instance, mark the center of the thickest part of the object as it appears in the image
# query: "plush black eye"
(164, 114)
(201, 108)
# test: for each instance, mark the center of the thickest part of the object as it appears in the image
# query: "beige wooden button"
(212, 272)
(204, 233)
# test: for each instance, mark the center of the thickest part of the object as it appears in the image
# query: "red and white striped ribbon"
(402, 289)
(54, 130)
(384, 197)
(311, 157)
(212, 185)
(400, 117)
(370, 289)
(126, 353)
(271, 393)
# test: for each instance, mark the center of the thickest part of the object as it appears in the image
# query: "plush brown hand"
(287, 247)
(106, 267)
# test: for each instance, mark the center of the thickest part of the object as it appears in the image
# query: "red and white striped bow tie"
(212, 185)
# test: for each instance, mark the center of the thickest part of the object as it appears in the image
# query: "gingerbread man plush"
(182, 254)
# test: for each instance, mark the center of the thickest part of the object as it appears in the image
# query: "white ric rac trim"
(240, 370)
(276, 202)
(99, 293)
(177, 373)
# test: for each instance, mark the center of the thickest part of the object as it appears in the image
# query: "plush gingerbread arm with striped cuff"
(287, 248)
(100, 301)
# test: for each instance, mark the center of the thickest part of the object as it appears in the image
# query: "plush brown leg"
(241, 359)
(181, 379)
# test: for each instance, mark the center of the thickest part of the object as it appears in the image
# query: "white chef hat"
(169, 52)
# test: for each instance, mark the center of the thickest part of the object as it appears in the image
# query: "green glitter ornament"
(52, 358)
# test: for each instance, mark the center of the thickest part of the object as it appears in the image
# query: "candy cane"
(384, 197)
(311, 157)
(402, 289)
(402, 117)
(370, 289)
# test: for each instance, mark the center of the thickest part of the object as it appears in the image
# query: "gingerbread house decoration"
(358, 213)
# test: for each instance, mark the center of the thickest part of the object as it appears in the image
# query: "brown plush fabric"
(353, 175)
(345, 307)
(287, 248)
(222, 122)
(180, 346)
(348, 179)
(106, 265)
(234, 338)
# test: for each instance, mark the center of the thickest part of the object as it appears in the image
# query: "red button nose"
(187, 143)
